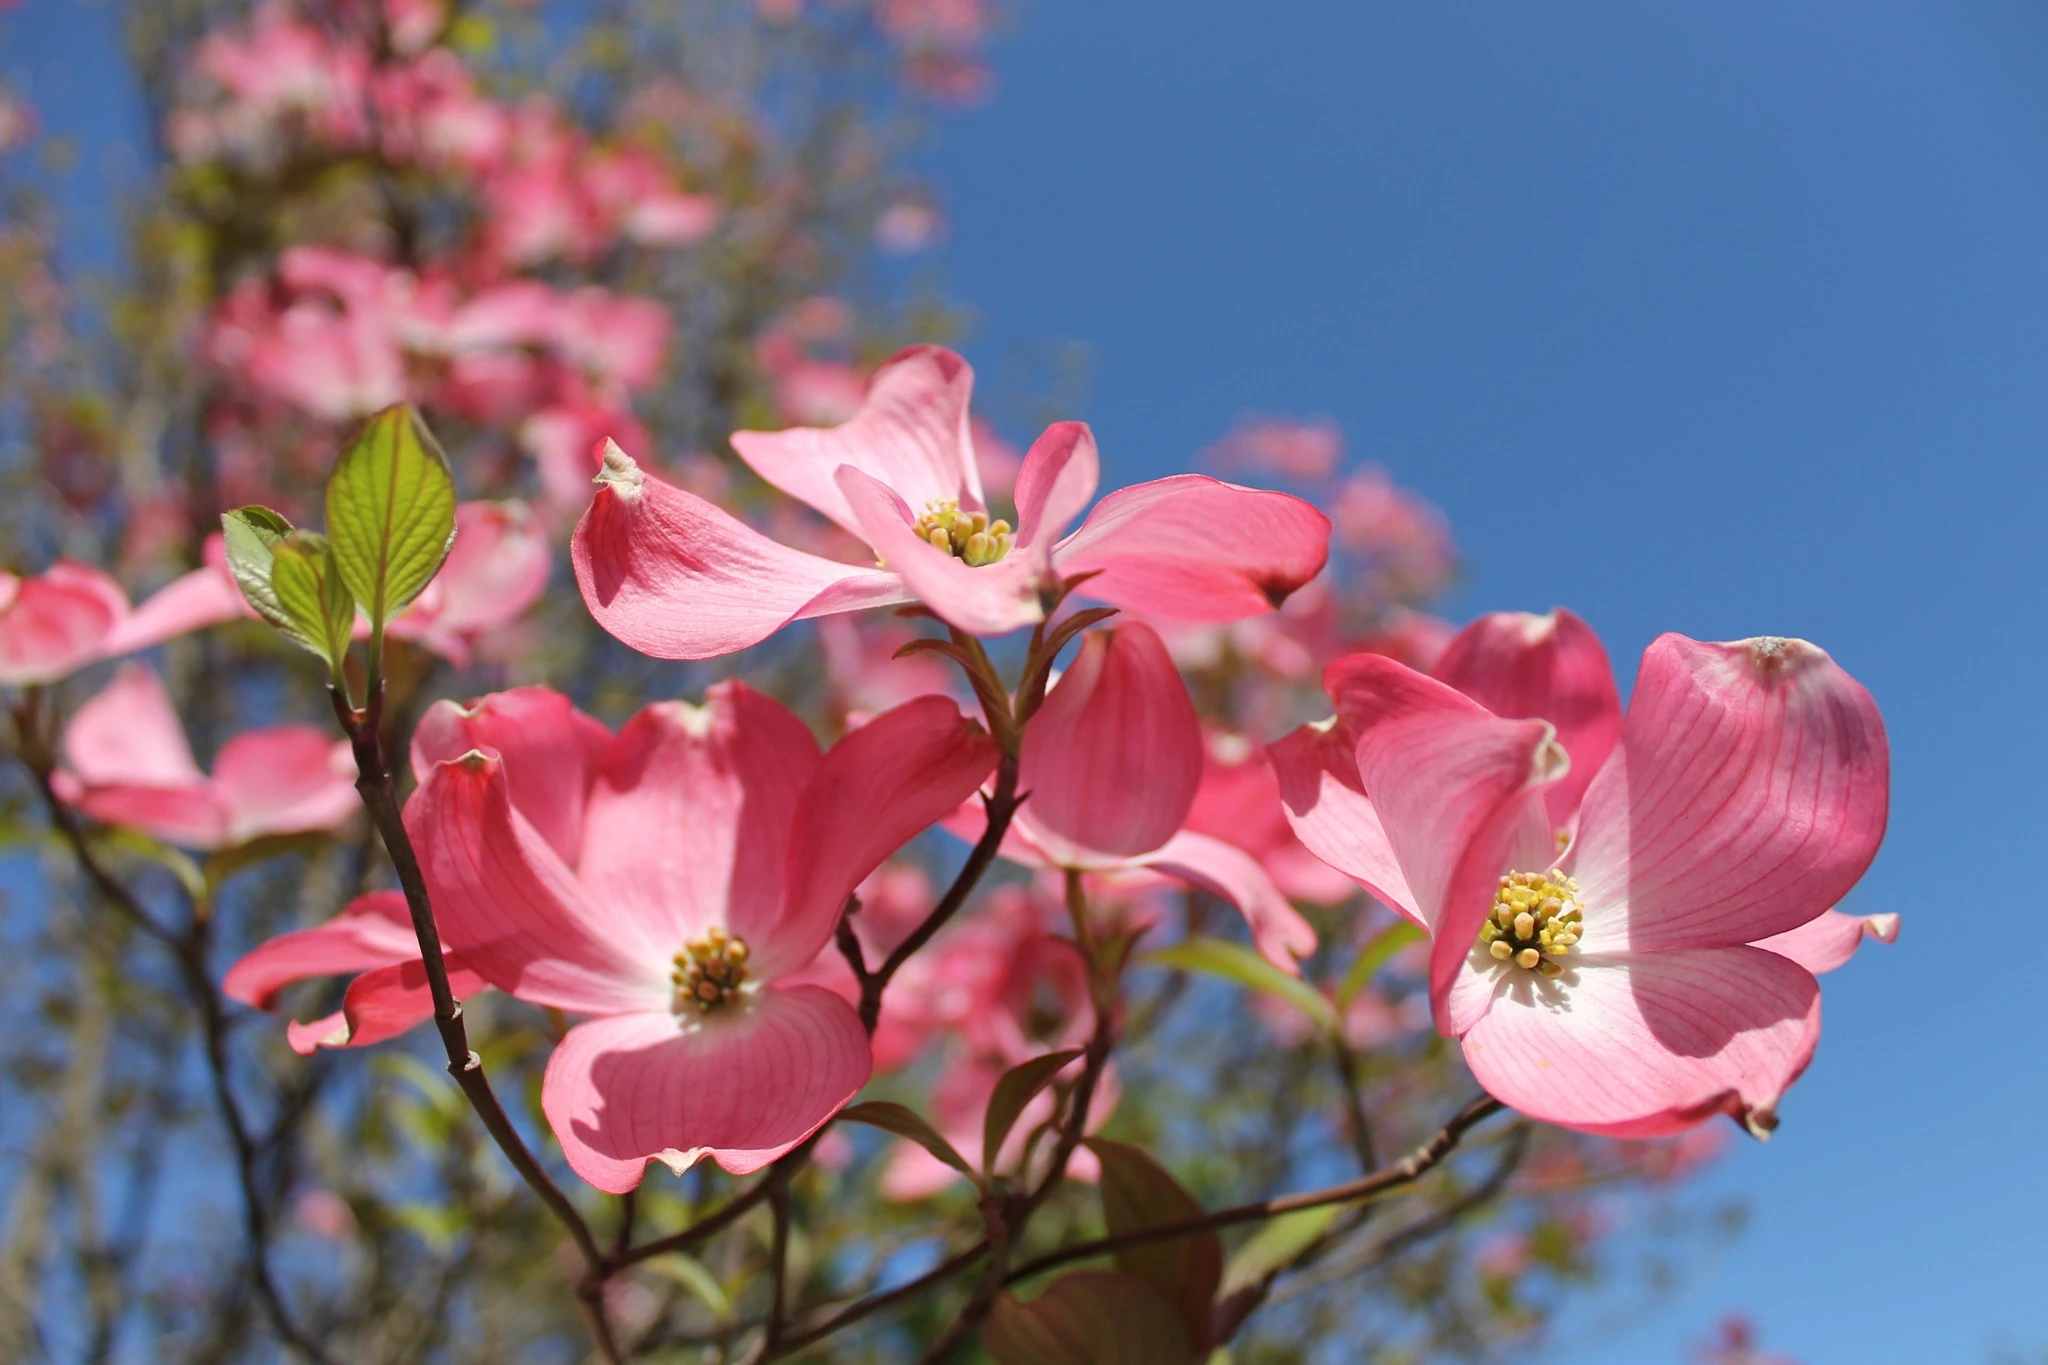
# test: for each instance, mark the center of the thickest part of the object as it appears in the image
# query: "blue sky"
(1727, 318)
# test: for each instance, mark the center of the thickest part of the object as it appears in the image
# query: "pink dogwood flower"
(663, 883)
(372, 936)
(57, 621)
(127, 763)
(1606, 955)
(676, 577)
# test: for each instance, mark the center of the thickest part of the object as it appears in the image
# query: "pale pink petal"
(551, 750)
(992, 599)
(1550, 667)
(203, 597)
(1326, 804)
(676, 577)
(370, 931)
(129, 732)
(285, 779)
(741, 1085)
(56, 621)
(690, 819)
(1279, 932)
(1113, 758)
(876, 790)
(1747, 795)
(1830, 939)
(188, 816)
(1649, 1044)
(506, 904)
(381, 1004)
(1193, 548)
(1054, 486)
(496, 570)
(910, 434)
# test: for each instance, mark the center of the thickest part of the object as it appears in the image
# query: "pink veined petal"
(910, 434)
(551, 750)
(370, 931)
(284, 779)
(1551, 667)
(1747, 795)
(992, 599)
(690, 819)
(676, 577)
(1239, 803)
(1649, 1044)
(1193, 548)
(877, 789)
(1830, 939)
(1113, 758)
(1458, 790)
(129, 733)
(741, 1085)
(56, 621)
(1279, 932)
(511, 910)
(204, 597)
(381, 1004)
(1054, 485)
(1326, 804)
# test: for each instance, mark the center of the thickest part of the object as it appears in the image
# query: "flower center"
(709, 971)
(1535, 921)
(964, 535)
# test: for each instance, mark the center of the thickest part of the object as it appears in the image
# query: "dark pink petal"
(285, 779)
(1192, 548)
(992, 599)
(1830, 939)
(1325, 801)
(1553, 668)
(381, 1004)
(690, 819)
(370, 931)
(910, 434)
(1649, 1044)
(1459, 792)
(56, 621)
(511, 910)
(1113, 759)
(741, 1085)
(203, 597)
(876, 790)
(551, 750)
(1747, 795)
(1279, 932)
(128, 732)
(676, 577)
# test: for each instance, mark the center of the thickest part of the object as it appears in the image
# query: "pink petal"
(203, 597)
(497, 569)
(56, 621)
(910, 435)
(370, 931)
(992, 599)
(188, 816)
(1830, 939)
(690, 819)
(1648, 1044)
(674, 576)
(1459, 792)
(511, 910)
(381, 1004)
(741, 1085)
(551, 750)
(1192, 548)
(284, 779)
(1553, 668)
(1239, 802)
(876, 790)
(128, 732)
(1279, 932)
(1748, 794)
(1326, 804)
(1054, 485)
(1114, 757)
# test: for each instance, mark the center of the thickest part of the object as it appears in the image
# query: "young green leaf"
(1139, 1193)
(391, 511)
(1014, 1090)
(1275, 1246)
(1373, 956)
(905, 1123)
(310, 592)
(1235, 962)
(251, 535)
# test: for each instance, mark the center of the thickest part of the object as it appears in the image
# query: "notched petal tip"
(619, 471)
(1760, 1123)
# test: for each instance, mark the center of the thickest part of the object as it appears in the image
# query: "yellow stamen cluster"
(1535, 921)
(964, 535)
(709, 971)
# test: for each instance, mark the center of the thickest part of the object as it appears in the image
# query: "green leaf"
(693, 1275)
(391, 511)
(1274, 1247)
(1091, 1317)
(1139, 1193)
(905, 1123)
(1015, 1089)
(1235, 962)
(310, 591)
(1373, 956)
(252, 535)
